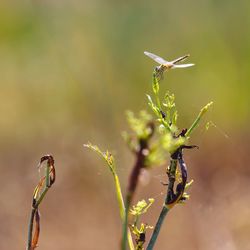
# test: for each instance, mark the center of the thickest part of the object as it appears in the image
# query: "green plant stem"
(158, 101)
(35, 205)
(42, 196)
(125, 225)
(122, 209)
(157, 228)
(110, 162)
(198, 118)
(169, 195)
(166, 125)
(30, 229)
(119, 196)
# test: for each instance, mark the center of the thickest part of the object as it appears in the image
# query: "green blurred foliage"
(69, 64)
(70, 69)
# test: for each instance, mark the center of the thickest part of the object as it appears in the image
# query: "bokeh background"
(70, 69)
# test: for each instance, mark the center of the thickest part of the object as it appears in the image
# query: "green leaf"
(155, 83)
(154, 108)
(174, 117)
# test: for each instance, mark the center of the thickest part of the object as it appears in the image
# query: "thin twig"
(37, 198)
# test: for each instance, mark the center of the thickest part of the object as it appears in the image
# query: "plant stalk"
(36, 201)
(169, 196)
(157, 228)
(133, 181)
(30, 229)
(198, 118)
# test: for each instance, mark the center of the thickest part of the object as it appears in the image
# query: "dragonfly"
(166, 65)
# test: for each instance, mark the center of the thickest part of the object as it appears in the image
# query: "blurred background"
(70, 69)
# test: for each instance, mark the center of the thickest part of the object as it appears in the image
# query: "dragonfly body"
(166, 65)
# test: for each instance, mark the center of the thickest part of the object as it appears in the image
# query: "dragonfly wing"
(183, 65)
(156, 58)
(180, 59)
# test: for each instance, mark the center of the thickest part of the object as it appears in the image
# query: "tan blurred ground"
(68, 72)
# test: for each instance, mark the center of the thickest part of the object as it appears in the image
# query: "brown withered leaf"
(37, 230)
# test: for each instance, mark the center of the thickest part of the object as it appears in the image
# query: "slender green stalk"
(165, 209)
(119, 196)
(158, 101)
(198, 118)
(156, 88)
(30, 228)
(122, 208)
(111, 164)
(41, 196)
(32, 215)
(123, 213)
(125, 225)
(157, 228)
